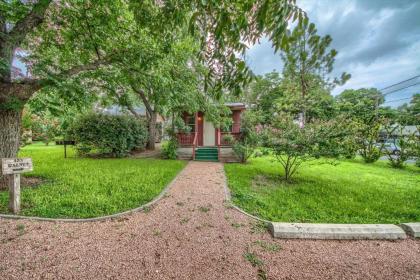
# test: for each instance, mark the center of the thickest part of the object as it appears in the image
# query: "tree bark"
(10, 123)
(151, 117)
(152, 131)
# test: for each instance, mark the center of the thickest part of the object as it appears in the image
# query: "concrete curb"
(412, 229)
(331, 231)
(102, 218)
(336, 231)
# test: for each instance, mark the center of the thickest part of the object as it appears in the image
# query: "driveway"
(191, 234)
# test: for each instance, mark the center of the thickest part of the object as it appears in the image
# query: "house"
(399, 131)
(205, 141)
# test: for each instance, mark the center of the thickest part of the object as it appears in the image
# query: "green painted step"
(206, 150)
(207, 154)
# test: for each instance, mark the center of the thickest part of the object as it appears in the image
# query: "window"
(228, 127)
(190, 122)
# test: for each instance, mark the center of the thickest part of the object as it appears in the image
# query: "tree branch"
(86, 67)
(29, 22)
(22, 90)
(143, 97)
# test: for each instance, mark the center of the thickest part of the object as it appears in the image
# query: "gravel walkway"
(191, 234)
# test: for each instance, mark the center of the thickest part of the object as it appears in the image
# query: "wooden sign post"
(11, 169)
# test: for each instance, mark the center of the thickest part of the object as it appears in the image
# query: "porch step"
(207, 154)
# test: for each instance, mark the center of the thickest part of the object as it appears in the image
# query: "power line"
(384, 94)
(415, 77)
(390, 101)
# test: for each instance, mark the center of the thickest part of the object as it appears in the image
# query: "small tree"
(308, 62)
(293, 145)
(362, 108)
(366, 138)
(404, 143)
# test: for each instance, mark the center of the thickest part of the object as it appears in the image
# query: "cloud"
(377, 40)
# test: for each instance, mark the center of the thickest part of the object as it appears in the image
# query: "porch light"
(199, 119)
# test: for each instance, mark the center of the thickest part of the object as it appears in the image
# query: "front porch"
(205, 141)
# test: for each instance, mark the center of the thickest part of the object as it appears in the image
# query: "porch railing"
(186, 139)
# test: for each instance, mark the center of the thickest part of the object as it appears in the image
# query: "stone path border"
(102, 218)
(332, 231)
(412, 229)
(337, 231)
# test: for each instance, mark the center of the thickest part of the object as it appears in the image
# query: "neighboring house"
(406, 131)
(206, 142)
(140, 110)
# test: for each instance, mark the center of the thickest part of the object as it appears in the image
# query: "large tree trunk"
(152, 131)
(10, 123)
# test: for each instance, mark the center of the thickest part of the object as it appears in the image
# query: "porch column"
(196, 121)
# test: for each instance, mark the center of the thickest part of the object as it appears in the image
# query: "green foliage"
(315, 103)
(26, 129)
(44, 128)
(228, 138)
(85, 188)
(409, 114)
(322, 193)
(169, 149)
(361, 104)
(245, 146)
(366, 137)
(308, 62)
(405, 143)
(293, 145)
(263, 93)
(12, 104)
(361, 108)
(114, 135)
(158, 54)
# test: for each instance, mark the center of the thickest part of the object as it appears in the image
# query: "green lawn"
(82, 187)
(351, 192)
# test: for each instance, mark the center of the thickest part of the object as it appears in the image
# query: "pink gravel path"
(191, 234)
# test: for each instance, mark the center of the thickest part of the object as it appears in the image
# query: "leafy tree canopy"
(308, 62)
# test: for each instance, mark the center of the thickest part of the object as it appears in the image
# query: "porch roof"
(236, 105)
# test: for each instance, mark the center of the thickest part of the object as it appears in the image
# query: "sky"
(378, 43)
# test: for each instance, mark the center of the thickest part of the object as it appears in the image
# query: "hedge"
(108, 134)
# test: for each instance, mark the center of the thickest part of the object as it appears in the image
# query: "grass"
(253, 259)
(269, 247)
(84, 188)
(351, 192)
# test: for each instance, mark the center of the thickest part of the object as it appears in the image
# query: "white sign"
(16, 165)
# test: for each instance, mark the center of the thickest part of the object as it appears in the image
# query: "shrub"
(114, 135)
(245, 146)
(44, 128)
(169, 149)
(228, 139)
